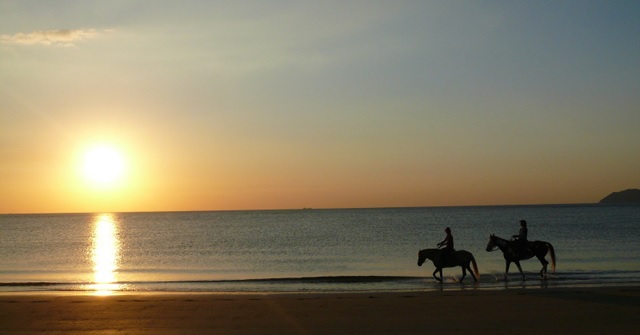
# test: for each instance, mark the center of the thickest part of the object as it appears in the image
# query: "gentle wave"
(327, 279)
(334, 283)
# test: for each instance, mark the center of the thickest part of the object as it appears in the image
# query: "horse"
(513, 253)
(457, 258)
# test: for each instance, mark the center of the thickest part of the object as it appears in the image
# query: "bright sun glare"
(103, 166)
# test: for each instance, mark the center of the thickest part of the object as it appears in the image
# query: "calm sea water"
(308, 250)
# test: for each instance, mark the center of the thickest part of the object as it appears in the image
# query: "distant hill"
(630, 196)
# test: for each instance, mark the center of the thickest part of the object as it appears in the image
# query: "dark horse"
(457, 258)
(512, 253)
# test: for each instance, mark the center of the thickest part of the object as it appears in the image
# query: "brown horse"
(461, 258)
(514, 253)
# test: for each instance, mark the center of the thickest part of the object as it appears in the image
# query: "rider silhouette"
(448, 245)
(521, 238)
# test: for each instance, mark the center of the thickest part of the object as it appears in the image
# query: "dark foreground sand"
(534, 311)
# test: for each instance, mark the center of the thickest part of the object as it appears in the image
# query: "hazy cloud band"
(59, 37)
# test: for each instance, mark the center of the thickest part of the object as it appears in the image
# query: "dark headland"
(630, 196)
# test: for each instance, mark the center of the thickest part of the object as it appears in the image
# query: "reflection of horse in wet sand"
(461, 258)
(514, 252)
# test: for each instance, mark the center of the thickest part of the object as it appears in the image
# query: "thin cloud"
(57, 37)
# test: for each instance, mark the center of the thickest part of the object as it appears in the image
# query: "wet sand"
(611, 310)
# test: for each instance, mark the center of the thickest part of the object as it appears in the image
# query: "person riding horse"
(448, 245)
(521, 238)
(449, 257)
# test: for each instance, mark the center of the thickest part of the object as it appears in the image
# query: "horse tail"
(553, 256)
(475, 267)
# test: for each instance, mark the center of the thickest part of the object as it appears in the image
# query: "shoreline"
(584, 310)
(327, 288)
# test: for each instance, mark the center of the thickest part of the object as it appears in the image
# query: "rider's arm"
(520, 235)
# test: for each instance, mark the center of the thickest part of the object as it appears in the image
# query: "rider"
(447, 243)
(521, 238)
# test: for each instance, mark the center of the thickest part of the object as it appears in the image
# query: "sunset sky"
(216, 105)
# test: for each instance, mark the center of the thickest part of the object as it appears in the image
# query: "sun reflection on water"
(105, 254)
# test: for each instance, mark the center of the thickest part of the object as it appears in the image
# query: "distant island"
(630, 196)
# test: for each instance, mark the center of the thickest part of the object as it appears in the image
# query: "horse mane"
(425, 254)
(498, 237)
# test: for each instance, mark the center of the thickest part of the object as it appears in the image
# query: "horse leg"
(543, 272)
(464, 274)
(506, 271)
(520, 269)
(436, 271)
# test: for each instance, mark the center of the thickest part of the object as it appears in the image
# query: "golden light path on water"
(105, 254)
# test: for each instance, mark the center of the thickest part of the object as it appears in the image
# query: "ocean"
(311, 250)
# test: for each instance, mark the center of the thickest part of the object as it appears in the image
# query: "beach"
(612, 310)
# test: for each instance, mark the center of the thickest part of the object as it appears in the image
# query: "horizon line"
(302, 209)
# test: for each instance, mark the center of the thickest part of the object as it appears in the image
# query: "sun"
(103, 166)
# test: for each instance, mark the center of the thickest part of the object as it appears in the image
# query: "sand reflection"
(105, 254)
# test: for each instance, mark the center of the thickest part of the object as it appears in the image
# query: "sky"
(234, 105)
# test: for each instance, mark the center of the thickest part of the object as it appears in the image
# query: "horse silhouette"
(513, 252)
(461, 258)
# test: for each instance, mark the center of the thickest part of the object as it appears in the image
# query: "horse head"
(423, 255)
(492, 245)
